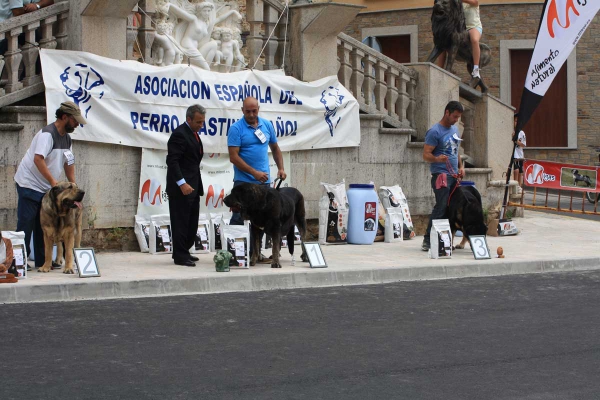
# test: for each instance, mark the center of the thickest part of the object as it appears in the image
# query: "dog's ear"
(54, 191)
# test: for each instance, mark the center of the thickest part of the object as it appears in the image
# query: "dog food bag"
(202, 239)
(216, 221)
(161, 240)
(237, 240)
(297, 237)
(380, 235)
(17, 239)
(392, 197)
(333, 214)
(142, 232)
(393, 227)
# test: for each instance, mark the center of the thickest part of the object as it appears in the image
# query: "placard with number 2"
(85, 258)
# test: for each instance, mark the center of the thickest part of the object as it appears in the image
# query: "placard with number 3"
(479, 247)
(85, 258)
(315, 256)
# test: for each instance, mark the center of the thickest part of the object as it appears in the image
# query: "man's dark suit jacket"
(183, 161)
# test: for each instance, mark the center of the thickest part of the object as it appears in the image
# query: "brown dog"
(60, 218)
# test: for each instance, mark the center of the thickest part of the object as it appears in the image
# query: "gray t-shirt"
(57, 152)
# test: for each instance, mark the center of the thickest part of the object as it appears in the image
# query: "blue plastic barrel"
(362, 217)
(467, 183)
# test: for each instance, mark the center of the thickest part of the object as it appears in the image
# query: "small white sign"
(315, 255)
(85, 259)
(479, 247)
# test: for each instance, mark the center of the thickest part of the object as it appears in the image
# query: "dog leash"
(458, 178)
(278, 183)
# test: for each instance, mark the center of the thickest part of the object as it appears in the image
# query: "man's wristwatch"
(38, 6)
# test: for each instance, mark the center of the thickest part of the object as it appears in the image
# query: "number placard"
(85, 258)
(479, 247)
(315, 256)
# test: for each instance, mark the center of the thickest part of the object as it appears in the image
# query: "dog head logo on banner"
(151, 192)
(331, 99)
(535, 175)
(80, 82)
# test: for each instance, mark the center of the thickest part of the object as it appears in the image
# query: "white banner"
(561, 27)
(217, 178)
(136, 104)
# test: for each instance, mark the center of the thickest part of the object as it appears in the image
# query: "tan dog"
(60, 218)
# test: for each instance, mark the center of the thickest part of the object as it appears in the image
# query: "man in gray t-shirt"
(441, 150)
(49, 154)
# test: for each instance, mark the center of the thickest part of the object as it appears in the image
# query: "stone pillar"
(313, 34)
(100, 26)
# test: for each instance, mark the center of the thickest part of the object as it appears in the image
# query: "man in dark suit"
(184, 184)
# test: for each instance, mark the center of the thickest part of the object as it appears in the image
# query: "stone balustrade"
(380, 84)
(45, 28)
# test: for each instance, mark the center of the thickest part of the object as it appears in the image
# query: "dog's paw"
(44, 269)
(69, 271)
(458, 247)
(275, 265)
(304, 257)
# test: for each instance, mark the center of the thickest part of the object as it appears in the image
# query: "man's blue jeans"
(28, 221)
(441, 202)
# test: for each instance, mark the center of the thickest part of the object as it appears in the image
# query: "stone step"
(11, 127)
(396, 131)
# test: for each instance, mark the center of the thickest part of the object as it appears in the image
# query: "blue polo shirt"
(252, 150)
(446, 141)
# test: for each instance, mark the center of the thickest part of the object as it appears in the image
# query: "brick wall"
(515, 22)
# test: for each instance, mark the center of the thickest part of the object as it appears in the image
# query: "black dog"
(272, 211)
(577, 177)
(466, 213)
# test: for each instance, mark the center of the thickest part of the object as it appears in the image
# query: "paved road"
(514, 337)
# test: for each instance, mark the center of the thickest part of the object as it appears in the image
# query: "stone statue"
(221, 260)
(450, 35)
(167, 50)
(191, 35)
(230, 50)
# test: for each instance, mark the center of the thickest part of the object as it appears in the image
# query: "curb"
(90, 290)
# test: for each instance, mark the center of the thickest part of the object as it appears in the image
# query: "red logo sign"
(558, 11)
(150, 191)
(214, 196)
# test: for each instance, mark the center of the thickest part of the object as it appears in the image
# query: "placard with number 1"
(315, 256)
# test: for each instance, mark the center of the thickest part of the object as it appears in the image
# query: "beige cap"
(68, 107)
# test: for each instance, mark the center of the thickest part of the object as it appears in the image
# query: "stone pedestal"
(313, 32)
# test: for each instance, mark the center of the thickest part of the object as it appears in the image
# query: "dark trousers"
(184, 211)
(28, 221)
(236, 219)
(441, 202)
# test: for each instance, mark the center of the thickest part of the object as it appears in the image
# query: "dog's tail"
(300, 216)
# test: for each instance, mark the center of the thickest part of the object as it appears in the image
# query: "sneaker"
(475, 73)
(425, 245)
(56, 266)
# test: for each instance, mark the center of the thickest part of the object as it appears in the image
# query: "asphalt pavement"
(546, 243)
(517, 337)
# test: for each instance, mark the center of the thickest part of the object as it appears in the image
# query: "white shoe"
(475, 73)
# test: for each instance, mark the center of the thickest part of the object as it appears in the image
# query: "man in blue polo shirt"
(249, 140)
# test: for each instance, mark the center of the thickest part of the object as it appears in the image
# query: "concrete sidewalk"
(547, 243)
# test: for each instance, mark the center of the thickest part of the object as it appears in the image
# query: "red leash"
(458, 178)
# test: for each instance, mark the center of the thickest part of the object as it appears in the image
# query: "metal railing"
(45, 28)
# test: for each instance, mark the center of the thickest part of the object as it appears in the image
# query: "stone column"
(313, 34)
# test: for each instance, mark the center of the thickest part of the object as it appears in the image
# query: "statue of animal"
(450, 35)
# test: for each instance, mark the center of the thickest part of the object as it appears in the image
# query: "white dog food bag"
(393, 227)
(161, 239)
(236, 238)
(392, 197)
(142, 232)
(202, 239)
(297, 237)
(333, 214)
(17, 239)
(216, 222)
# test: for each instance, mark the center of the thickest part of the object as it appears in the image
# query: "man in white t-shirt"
(519, 156)
(49, 154)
